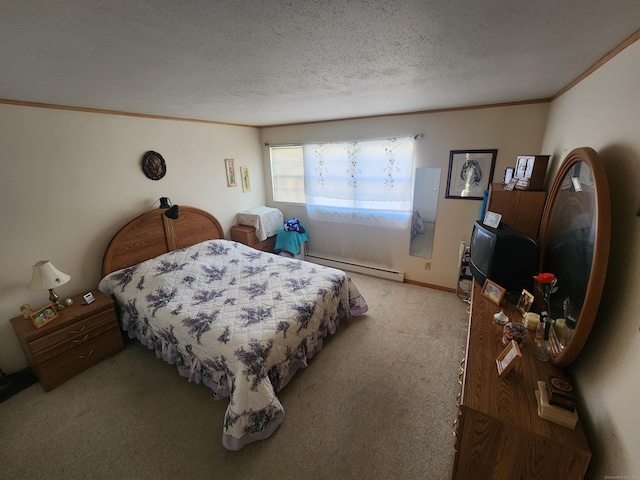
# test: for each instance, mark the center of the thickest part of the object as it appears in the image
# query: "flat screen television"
(503, 255)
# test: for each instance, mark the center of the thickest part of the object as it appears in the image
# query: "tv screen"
(503, 255)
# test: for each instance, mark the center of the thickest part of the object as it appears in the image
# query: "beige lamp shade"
(46, 276)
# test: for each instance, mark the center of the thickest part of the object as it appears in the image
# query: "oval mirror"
(574, 240)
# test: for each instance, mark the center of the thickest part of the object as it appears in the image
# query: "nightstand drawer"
(72, 336)
(79, 357)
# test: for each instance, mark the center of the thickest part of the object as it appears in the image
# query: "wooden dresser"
(498, 432)
(247, 235)
(521, 210)
(81, 336)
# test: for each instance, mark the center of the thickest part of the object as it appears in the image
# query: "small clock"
(153, 165)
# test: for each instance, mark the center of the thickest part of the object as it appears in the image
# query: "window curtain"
(362, 183)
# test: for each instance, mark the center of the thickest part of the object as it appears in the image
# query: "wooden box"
(247, 235)
(531, 171)
(244, 234)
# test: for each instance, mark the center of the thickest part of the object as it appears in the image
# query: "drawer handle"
(84, 339)
(86, 356)
(78, 331)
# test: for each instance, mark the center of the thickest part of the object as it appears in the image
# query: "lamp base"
(55, 300)
(59, 306)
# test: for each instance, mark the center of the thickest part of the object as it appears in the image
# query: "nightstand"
(81, 336)
(247, 235)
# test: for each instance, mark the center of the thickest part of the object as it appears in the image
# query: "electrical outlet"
(427, 264)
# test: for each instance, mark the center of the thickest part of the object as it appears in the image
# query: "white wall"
(513, 130)
(602, 112)
(70, 180)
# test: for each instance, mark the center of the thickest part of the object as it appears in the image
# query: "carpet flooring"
(377, 402)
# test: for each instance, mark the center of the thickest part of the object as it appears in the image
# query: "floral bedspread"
(239, 320)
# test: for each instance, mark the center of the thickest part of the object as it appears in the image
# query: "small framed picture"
(492, 219)
(44, 315)
(508, 175)
(525, 302)
(493, 291)
(508, 358)
(512, 184)
(524, 167)
(246, 181)
(230, 167)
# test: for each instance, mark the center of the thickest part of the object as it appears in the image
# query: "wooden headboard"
(152, 234)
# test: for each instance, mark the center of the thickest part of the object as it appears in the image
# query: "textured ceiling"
(277, 62)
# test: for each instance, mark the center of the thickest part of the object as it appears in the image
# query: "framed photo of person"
(525, 302)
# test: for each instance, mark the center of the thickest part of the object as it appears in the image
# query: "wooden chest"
(247, 235)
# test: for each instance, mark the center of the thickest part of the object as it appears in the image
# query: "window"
(287, 174)
(367, 183)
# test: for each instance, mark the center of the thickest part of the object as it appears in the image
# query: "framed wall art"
(230, 167)
(246, 180)
(153, 165)
(470, 173)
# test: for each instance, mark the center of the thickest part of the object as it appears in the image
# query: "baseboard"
(356, 267)
(430, 285)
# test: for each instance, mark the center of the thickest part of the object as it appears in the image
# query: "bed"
(238, 320)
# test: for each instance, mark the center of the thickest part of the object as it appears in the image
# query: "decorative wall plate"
(153, 165)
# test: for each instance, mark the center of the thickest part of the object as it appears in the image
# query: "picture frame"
(494, 292)
(470, 173)
(512, 184)
(508, 358)
(230, 168)
(492, 219)
(525, 302)
(508, 175)
(43, 315)
(524, 167)
(246, 180)
(530, 171)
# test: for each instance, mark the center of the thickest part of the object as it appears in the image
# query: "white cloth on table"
(266, 221)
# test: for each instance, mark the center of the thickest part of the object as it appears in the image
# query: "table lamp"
(172, 210)
(46, 277)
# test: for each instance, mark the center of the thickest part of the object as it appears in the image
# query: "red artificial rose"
(544, 278)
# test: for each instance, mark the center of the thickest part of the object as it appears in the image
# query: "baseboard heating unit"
(356, 267)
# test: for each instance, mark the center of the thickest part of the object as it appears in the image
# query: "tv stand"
(498, 432)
